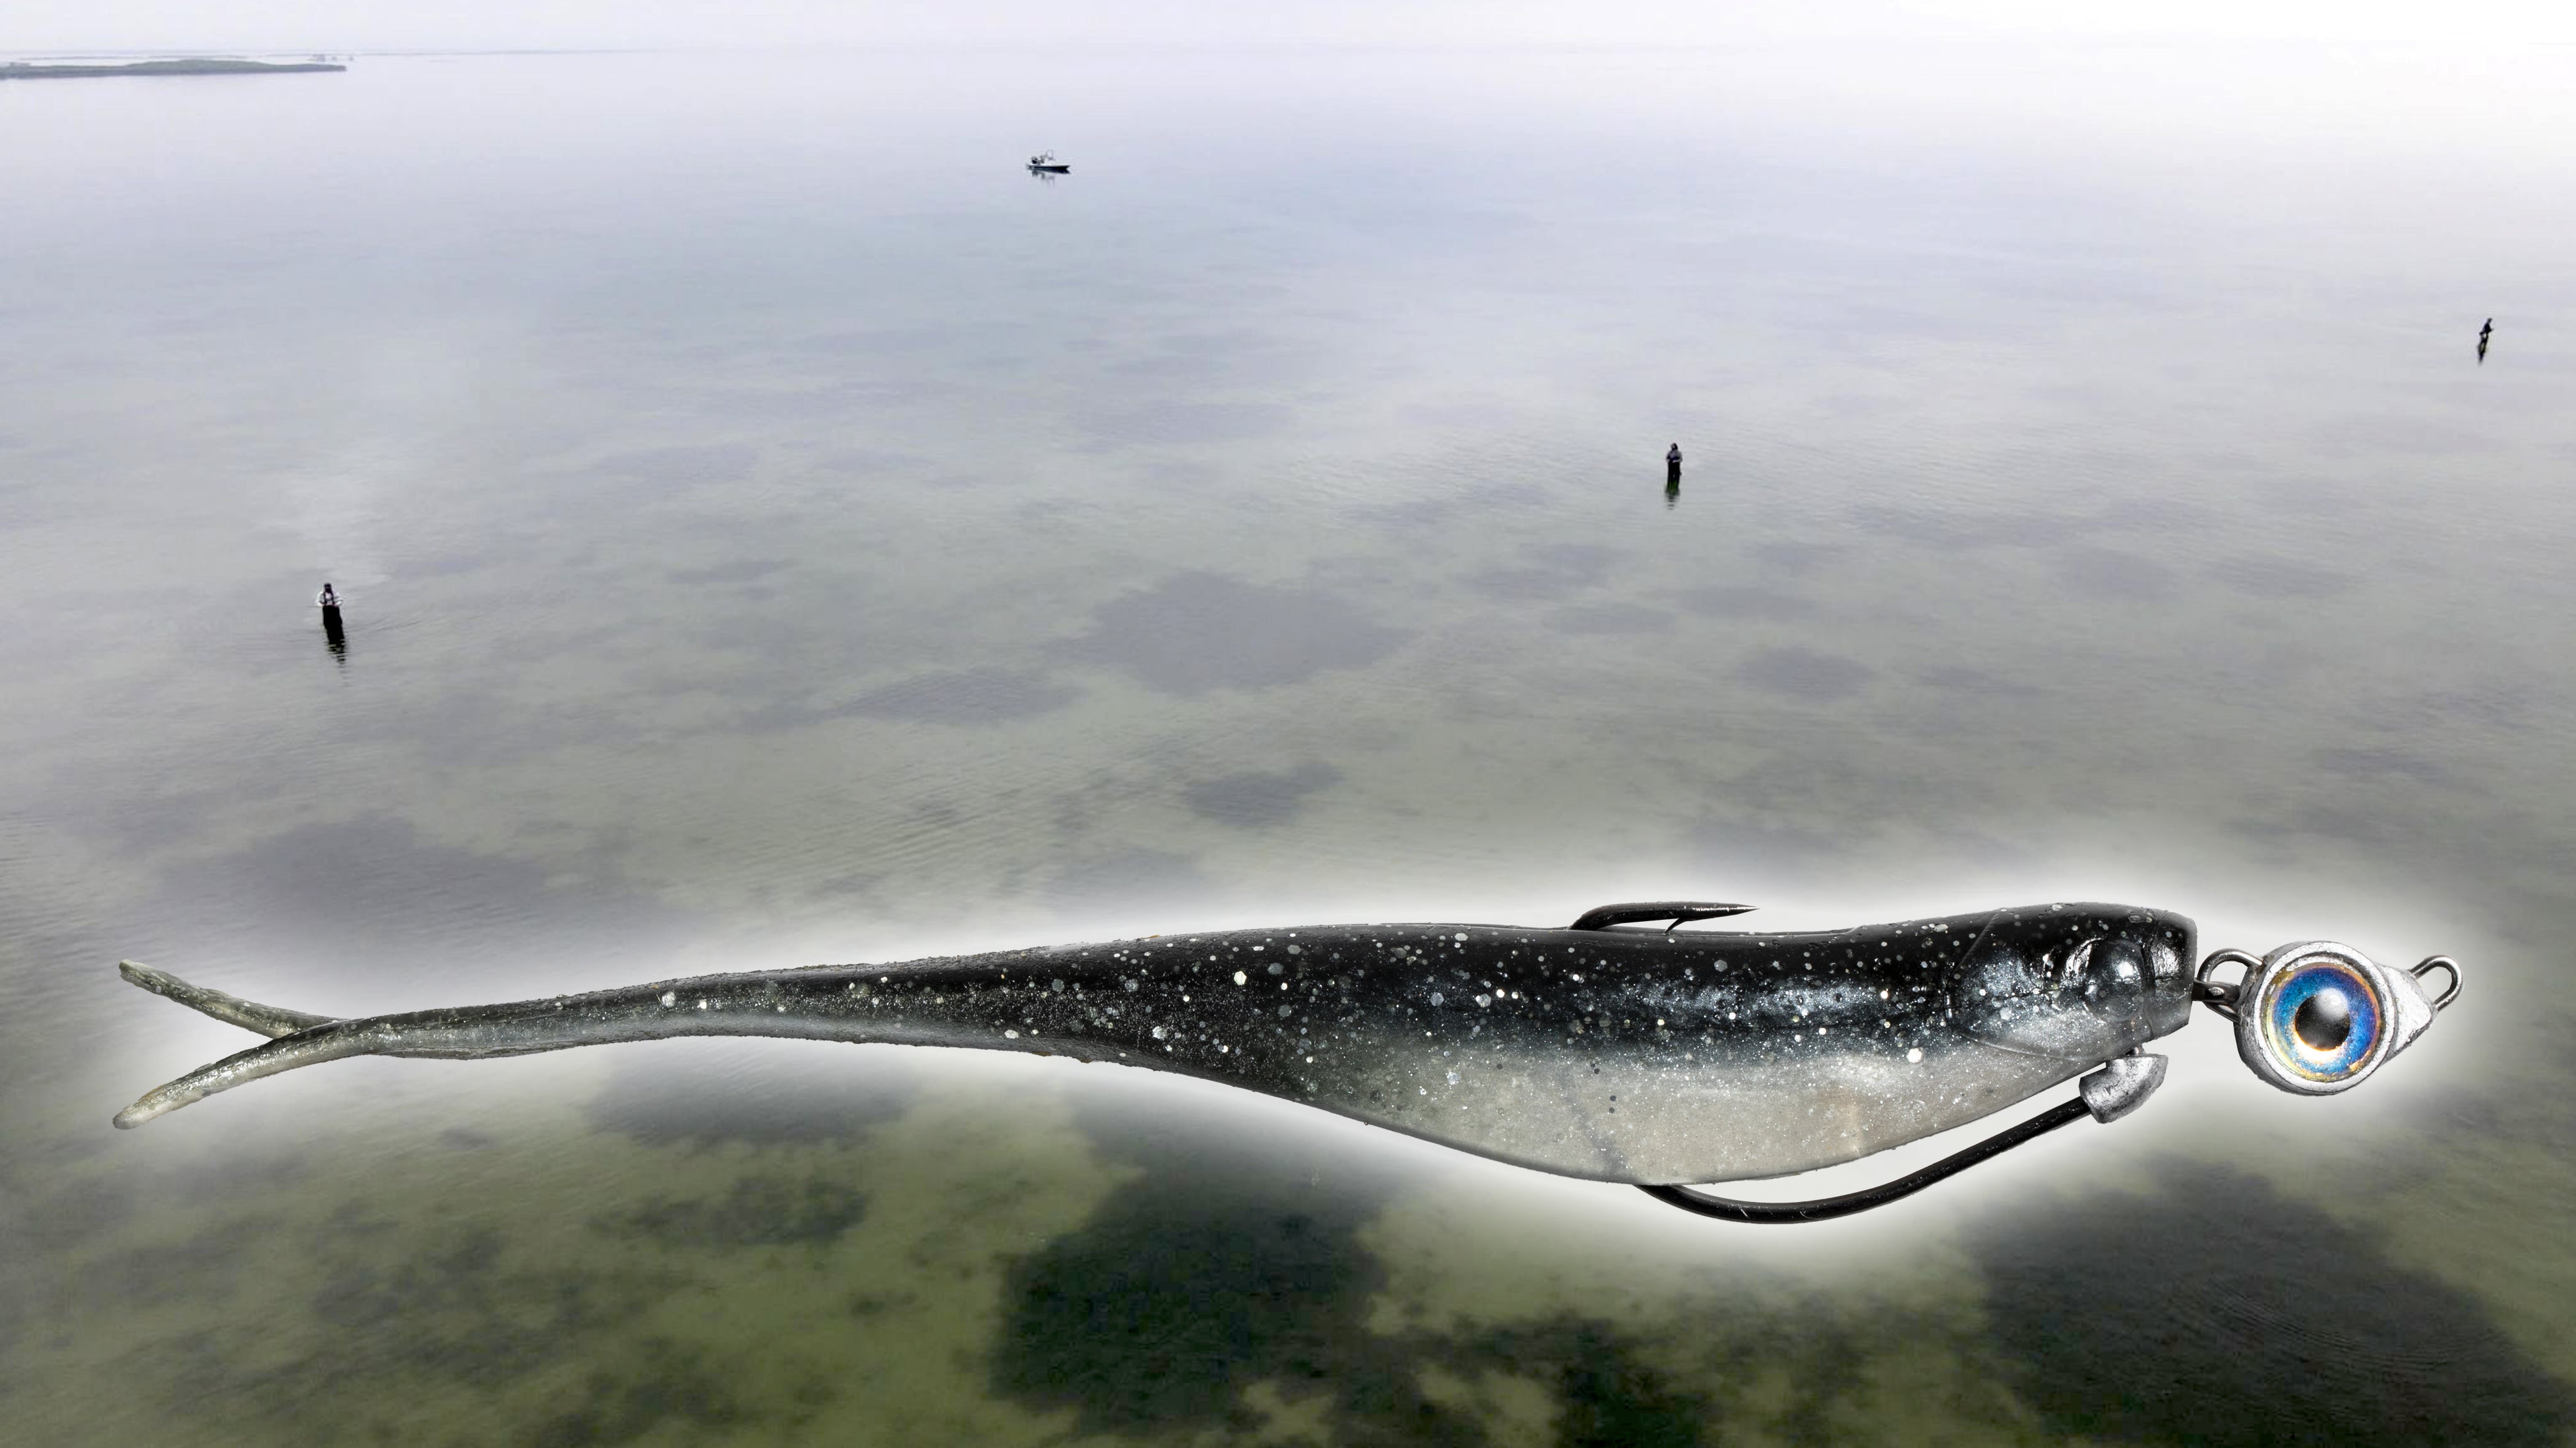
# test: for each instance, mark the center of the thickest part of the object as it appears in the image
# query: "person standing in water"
(2483, 334)
(1673, 466)
(332, 632)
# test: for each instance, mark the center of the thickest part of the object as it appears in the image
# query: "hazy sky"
(393, 24)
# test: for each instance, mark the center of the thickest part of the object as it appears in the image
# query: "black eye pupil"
(2323, 1020)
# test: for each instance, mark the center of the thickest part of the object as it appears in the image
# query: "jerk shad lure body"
(1654, 1057)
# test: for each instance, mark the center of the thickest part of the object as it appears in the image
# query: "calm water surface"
(776, 528)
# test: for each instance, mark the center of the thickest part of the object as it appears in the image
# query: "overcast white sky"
(27, 25)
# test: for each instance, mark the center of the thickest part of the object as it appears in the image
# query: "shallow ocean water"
(777, 529)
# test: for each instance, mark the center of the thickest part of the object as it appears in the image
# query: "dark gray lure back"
(1630, 1055)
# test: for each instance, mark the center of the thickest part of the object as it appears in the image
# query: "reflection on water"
(781, 535)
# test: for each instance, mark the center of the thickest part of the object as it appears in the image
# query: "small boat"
(1046, 161)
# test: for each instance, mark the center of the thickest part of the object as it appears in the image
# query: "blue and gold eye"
(2322, 1020)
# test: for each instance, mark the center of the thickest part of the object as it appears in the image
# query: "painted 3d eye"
(2321, 1020)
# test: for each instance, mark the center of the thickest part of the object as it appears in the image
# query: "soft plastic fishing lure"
(1656, 1058)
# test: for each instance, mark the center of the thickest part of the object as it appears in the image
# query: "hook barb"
(1602, 917)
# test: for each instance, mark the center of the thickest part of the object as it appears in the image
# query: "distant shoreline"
(24, 70)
